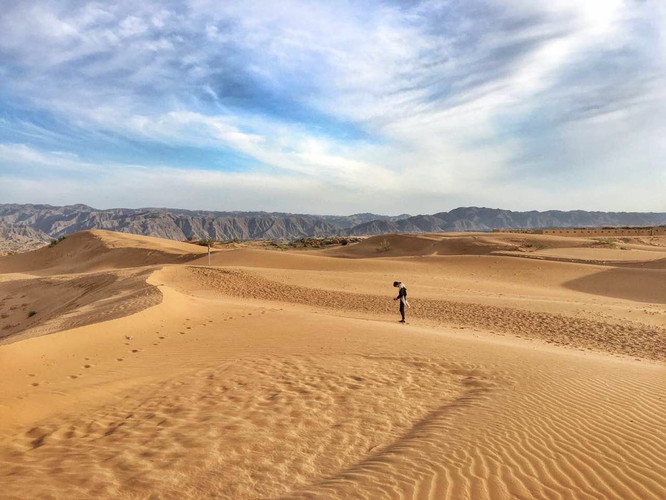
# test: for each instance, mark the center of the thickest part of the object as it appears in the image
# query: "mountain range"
(29, 225)
(487, 219)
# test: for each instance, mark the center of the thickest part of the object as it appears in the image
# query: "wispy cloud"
(514, 104)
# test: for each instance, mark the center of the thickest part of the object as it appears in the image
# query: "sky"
(334, 107)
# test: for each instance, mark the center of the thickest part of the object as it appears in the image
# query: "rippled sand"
(285, 374)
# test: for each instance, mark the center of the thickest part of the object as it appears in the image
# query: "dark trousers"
(402, 310)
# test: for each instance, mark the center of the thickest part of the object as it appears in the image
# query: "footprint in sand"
(162, 337)
(120, 359)
(135, 350)
(182, 333)
(87, 366)
(35, 384)
(73, 376)
(189, 327)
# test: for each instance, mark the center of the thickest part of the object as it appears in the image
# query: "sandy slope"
(284, 374)
(98, 250)
(63, 302)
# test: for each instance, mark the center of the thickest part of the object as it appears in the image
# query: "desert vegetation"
(55, 241)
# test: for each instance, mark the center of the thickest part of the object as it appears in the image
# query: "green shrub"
(607, 241)
(31, 314)
(322, 242)
(206, 242)
(55, 241)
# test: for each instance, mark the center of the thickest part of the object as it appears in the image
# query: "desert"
(389, 249)
(531, 366)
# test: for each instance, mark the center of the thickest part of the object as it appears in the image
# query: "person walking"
(402, 297)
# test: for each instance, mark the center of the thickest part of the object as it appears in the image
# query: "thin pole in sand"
(208, 254)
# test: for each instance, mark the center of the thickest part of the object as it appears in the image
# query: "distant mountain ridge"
(181, 224)
(487, 219)
(23, 222)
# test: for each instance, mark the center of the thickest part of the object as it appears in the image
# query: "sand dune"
(603, 256)
(634, 340)
(400, 245)
(643, 285)
(413, 245)
(545, 247)
(33, 307)
(98, 250)
(284, 374)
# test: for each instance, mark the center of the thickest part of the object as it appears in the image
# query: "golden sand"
(144, 373)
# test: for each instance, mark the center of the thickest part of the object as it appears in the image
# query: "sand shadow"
(637, 284)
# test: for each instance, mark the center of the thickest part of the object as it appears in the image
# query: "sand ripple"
(252, 427)
(621, 338)
(558, 440)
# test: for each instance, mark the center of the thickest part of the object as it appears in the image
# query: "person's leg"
(402, 310)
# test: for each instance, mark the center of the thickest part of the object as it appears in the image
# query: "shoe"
(401, 321)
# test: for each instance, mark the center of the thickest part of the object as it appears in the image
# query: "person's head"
(396, 283)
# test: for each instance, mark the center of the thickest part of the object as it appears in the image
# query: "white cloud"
(163, 186)
(470, 102)
(23, 157)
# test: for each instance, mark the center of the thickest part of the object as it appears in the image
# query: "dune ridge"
(538, 246)
(97, 250)
(629, 339)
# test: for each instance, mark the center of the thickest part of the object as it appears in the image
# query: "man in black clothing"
(402, 297)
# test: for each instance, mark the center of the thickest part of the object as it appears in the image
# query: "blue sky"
(334, 107)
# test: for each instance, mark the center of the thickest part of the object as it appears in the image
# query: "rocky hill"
(20, 238)
(487, 219)
(180, 224)
(27, 226)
